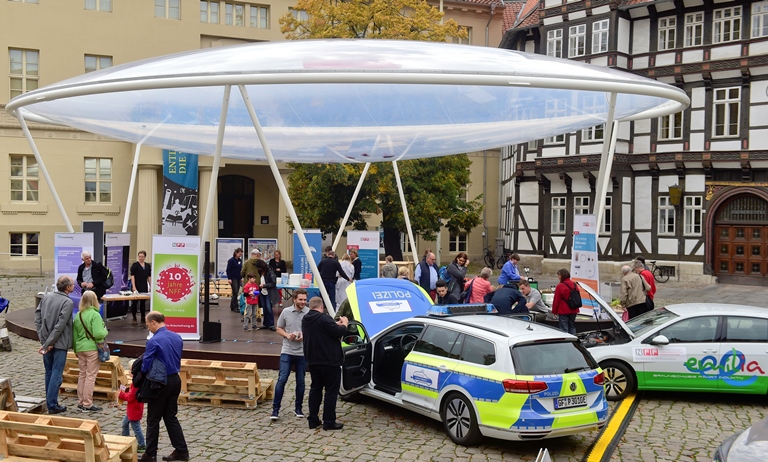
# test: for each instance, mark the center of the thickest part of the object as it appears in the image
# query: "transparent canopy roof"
(346, 100)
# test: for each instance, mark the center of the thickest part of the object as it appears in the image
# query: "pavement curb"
(601, 450)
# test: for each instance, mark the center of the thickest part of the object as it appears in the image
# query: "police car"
(687, 347)
(480, 374)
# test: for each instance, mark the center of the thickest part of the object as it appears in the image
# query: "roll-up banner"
(584, 265)
(68, 248)
(179, 208)
(266, 246)
(225, 249)
(117, 248)
(315, 241)
(367, 245)
(175, 282)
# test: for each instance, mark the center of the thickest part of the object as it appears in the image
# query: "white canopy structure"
(344, 101)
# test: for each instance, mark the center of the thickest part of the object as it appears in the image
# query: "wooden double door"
(741, 253)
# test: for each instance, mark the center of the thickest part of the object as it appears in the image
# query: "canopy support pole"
(606, 162)
(287, 199)
(351, 206)
(44, 171)
(215, 171)
(405, 213)
(134, 171)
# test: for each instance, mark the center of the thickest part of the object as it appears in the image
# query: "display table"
(288, 291)
(114, 313)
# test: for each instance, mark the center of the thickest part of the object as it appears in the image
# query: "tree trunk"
(392, 243)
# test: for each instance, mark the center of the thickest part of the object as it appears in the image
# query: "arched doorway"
(741, 240)
(235, 194)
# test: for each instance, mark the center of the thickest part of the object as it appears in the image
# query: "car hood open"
(607, 307)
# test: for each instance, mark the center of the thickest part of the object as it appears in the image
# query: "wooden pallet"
(111, 375)
(7, 398)
(223, 383)
(29, 437)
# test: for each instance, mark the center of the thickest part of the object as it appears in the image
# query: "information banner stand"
(175, 283)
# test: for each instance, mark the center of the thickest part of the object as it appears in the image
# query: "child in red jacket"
(134, 412)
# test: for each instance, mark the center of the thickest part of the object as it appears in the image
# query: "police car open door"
(356, 370)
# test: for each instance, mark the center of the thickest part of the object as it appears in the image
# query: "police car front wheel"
(459, 420)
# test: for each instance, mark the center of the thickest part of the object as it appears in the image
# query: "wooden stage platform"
(262, 346)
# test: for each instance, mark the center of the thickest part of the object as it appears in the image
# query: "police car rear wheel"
(619, 380)
(459, 420)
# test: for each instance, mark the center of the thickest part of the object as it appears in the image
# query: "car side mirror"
(660, 340)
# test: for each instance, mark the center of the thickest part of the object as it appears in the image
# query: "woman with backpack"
(561, 306)
(457, 270)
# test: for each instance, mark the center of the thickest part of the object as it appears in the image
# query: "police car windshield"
(650, 320)
(550, 358)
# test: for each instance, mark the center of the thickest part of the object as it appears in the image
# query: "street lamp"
(675, 194)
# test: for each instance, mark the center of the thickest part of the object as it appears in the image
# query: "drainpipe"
(485, 152)
(487, 26)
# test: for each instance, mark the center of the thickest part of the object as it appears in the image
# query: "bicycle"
(503, 259)
(488, 258)
(660, 273)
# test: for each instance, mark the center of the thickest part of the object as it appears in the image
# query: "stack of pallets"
(111, 376)
(223, 383)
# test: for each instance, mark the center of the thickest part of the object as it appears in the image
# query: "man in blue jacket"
(510, 273)
(234, 275)
(507, 296)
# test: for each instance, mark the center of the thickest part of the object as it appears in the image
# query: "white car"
(709, 347)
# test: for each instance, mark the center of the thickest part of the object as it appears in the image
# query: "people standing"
(141, 279)
(510, 272)
(249, 267)
(134, 412)
(444, 297)
(91, 275)
(235, 278)
(643, 271)
(322, 350)
(88, 331)
(268, 296)
(389, 270)
(292, 352)
(507, 296)
(426, 273)
(53, 322)
(566, 314)
(341, 283)
(278, 266)
(404, 273)
(251, 292)
(457, 269)
(357, 263)
(165, 346)
(632, 295)
(329, 268)
(480, 286)
(533, 298)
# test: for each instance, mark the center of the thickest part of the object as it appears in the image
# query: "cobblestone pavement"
(665, 427)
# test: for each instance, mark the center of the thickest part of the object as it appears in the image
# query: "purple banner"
(117, 262)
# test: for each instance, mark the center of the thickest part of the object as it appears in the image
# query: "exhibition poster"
(175, 282)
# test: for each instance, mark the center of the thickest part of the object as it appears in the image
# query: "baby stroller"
(4, 302)
(5, 341)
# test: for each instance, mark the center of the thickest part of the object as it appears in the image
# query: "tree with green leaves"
(432, 187)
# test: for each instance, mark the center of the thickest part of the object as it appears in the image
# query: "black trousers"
(136, 304)
(165, 407)
(234, 302)
(328, 377)
(637, 310)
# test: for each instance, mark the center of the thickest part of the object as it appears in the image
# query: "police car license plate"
(570, 401)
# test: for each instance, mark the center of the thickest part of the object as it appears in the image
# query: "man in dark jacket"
(328, 268)
(91, 275)
(322, 350)
(234, 268)
(507, 295)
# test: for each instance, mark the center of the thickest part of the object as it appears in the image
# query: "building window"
(593, 133)
(405, 243)
(759, 19)
(581, 205)
(24, 71)
(24, 179)
(533, 145)
(726, 25)
(259, 16)
(607, 217)
(576, 40)
(234, 14)
(26, 1)
(558, 215)
(209, 12)
(169, 9)
(557, 139)
(694, 27)
(24, 244)
(94, 63)
(98, 181)
(98, 5)
(667, 29)
(555, 43)
(299, 15)
(727, 101)
(693, 215)
(458, 242)
(600, 36)
(666, 217)
(464, 41)
(555, 108)
(671, 126)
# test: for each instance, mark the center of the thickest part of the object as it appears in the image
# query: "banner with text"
(225, 249)
(300, 261)
(367, 245)
(179, 208)
(266, 246)
(68, 248)
(584, 264)
(175, 282)
(117, 248)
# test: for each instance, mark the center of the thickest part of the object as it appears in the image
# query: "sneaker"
(299, 414)
(274, 415)
(80, 406)
(141, 449)
(93, 408)
(57, 410)
(245, 328)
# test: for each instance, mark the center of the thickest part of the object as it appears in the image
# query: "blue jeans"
(136, 426)
(54, 362)
(266, 303)
(286, 362)
(567, 323)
